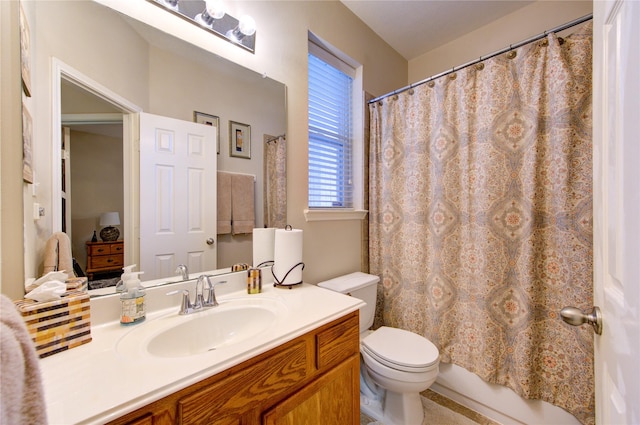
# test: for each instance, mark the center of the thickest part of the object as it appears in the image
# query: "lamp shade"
(110, 219)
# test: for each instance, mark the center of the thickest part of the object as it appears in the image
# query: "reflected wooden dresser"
(104, 257)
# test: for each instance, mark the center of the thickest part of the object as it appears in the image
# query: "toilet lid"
(400, 349)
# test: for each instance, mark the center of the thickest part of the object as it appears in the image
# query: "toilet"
(397, 365)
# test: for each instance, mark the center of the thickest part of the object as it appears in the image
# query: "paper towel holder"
(280, 283)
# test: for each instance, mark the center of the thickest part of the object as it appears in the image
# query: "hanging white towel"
(224, 202)
(243, 216)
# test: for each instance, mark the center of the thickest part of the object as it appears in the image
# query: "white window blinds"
(330, 133)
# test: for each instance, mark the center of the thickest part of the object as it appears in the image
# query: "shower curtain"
(481, 215)
(275, 183)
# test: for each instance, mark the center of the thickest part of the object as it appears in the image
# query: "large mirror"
(172, 79)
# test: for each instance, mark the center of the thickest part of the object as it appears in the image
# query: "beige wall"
(526, 22)
(11, 212)
(96, 187)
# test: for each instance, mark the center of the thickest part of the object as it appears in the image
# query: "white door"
(617, 209)
(177, 196)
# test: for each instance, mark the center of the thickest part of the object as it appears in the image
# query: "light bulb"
(213, 10)
(216, 8)
(170, 4)
(247, 25)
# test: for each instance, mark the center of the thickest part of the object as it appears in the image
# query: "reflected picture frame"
(27, 144)
(239, 140)
(212, 120)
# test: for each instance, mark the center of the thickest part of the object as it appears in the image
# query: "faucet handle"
(211, 296)
(185, 306)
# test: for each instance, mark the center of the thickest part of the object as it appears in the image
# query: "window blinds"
(330, 135)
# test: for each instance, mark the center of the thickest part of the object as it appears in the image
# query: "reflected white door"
(177, 196)
(617, 209)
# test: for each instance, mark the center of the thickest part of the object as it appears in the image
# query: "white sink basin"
(232, 322)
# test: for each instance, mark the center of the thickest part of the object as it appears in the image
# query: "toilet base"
(371, 408)
(398, 409)
(402, 409)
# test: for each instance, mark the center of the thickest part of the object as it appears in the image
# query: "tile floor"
(439, 410)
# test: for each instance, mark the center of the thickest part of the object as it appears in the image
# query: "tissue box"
(73, 284)
(57, 325)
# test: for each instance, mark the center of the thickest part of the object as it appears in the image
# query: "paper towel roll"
(288, 256)
(263, 245)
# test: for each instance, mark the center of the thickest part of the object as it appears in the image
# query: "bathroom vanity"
(300, 364)
(311, 377)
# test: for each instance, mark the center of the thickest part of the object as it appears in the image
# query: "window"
(331, 120)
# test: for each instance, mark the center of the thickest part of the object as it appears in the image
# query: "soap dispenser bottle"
(128, 270)
(133, 304)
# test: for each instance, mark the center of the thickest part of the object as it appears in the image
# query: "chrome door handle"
(575, 317)
(210, 241)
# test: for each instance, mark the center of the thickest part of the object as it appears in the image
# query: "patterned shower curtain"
(481, 217)
(275, 183)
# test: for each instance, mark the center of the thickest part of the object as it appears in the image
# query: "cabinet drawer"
(117, 248)
(262, 381)
(99, 250)
(338, 342)
(106, 249)
(103, 261)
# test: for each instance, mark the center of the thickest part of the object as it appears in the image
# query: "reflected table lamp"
(110, 233)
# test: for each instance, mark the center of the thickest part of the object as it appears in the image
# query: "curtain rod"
(482, 58)
(283, 135)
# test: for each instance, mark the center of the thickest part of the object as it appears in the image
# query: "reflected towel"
(57, 254)
(21, 392)
(243, 216)
(224, 202)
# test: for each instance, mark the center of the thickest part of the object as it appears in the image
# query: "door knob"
(575, 317)
(210, 241)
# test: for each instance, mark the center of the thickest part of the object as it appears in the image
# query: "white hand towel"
(21, 393)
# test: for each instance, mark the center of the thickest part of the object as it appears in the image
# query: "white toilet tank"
(362, 286)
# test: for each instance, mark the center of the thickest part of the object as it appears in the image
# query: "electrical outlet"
(36, 211)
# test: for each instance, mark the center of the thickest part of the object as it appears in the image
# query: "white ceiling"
(414, 27)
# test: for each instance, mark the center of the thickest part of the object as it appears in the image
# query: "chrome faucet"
(200, 304)
(184, 272)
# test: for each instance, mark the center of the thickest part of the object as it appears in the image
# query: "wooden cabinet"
(312, 379)
(104, 257)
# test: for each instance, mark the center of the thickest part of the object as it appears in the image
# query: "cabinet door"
(226, 401)
(334, 398)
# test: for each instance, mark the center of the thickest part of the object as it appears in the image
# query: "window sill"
(328, 214)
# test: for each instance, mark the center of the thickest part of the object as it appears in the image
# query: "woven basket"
(57, 325)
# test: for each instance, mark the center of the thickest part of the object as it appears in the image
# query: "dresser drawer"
(117, 248)
(106, 261)
(99, 250)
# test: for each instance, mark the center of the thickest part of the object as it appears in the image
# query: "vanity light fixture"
(212, 16)
(171, 4)
(213, 10)
(246, 28)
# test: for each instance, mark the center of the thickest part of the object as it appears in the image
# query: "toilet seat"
(401, 350)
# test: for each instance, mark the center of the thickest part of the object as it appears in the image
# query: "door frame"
(131, 151)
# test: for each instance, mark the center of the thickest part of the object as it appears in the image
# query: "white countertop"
(95, 383)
